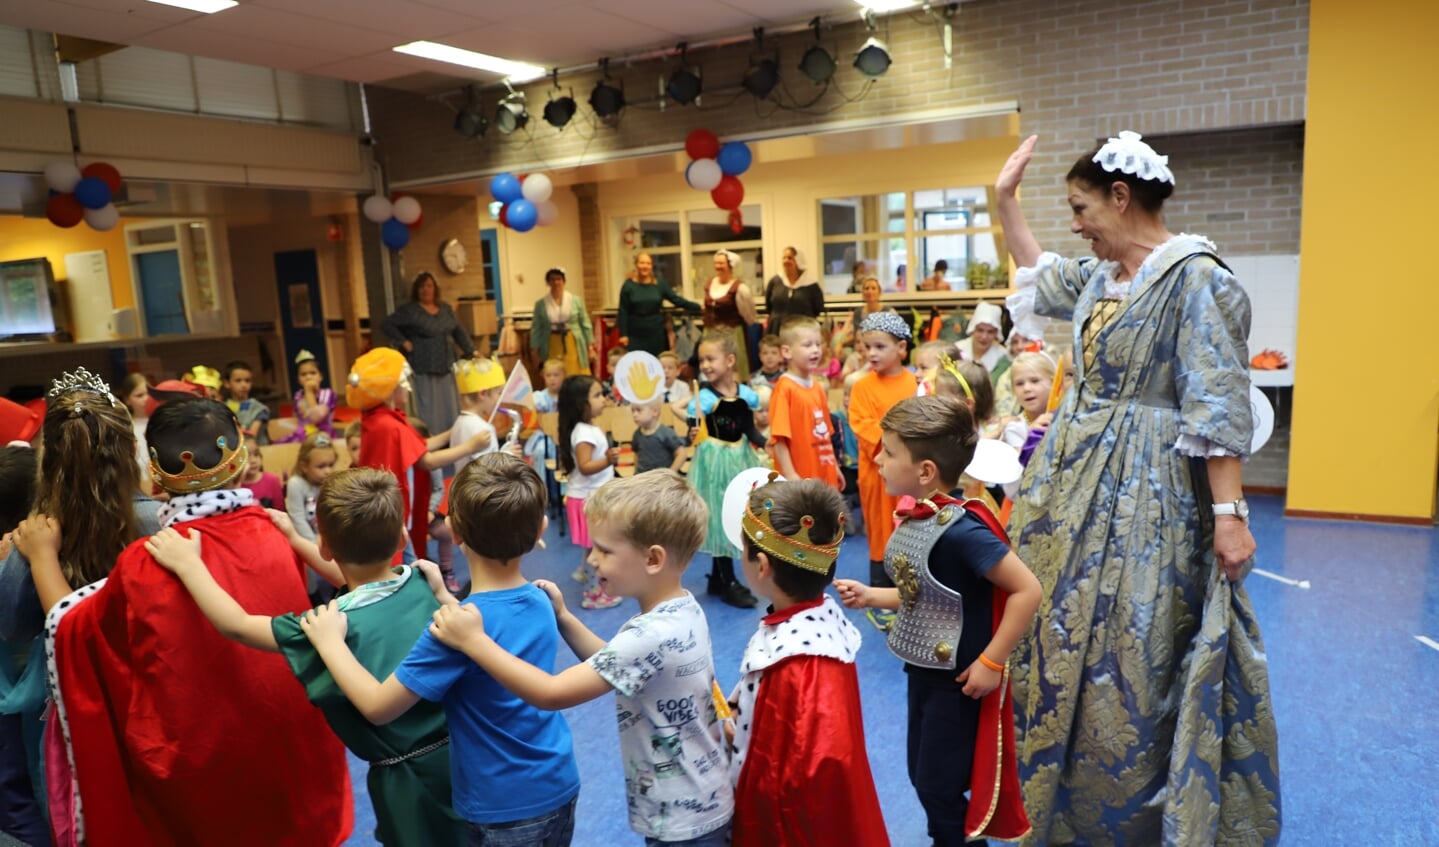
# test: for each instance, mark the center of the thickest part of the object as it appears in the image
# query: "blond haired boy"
(644, 531)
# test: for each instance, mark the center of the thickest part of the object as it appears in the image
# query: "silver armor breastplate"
(931, 615)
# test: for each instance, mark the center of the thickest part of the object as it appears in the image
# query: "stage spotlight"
(606, 100)
(471, 123)
(560, 110)
(761, 78)
(684, 87)
(510, 116)
(872, 60)
(817, 64)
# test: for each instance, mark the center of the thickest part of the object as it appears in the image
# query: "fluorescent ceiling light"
(886, 5)
(516, 71)
(209, 7)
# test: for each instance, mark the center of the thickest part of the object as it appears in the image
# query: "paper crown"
(304, 356)
(191, 478)
(475, 375)
(374, 377)
(951, 367)
(798, 549)
(206, 376)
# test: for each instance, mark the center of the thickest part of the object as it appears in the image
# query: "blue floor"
(1354, 688)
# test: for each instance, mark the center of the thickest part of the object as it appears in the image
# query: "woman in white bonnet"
(793, 291)
(729, 306)
(1142, 692)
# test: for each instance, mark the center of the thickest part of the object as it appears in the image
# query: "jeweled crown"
(81, 379)
(191, 478)
(798, 549)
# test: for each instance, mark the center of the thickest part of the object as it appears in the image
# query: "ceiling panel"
(77, 20)
(702, 17)
(272, 25)
(407, 20)
(218, 44)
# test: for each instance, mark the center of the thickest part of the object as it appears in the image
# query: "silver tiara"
(81, 379)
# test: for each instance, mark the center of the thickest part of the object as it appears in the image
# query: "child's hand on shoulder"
(282, 522)
(978, 680)
(38, 536)
(325, 625)
(513, 449)
(852, 593)
(459, 626)
(436, 581)
(480, 440)
(173, 551)
(557, 599)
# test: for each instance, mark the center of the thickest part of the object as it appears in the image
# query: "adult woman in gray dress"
(427, 330)
(1143, 712)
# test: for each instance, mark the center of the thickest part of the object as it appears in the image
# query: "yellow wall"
(1366, 400)
(28, 238)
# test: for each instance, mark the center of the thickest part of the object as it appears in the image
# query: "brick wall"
(1079, 70)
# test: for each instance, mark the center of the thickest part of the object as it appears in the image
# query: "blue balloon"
(92, 192)
(734, 158)
(394, 234)
(522, 215)
(506, 188)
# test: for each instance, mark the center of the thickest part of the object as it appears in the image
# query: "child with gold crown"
(799, 764)
(175, 734)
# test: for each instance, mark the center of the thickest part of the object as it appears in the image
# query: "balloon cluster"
(82, 194)
(396, 215)
(526, 200)
(716, 168)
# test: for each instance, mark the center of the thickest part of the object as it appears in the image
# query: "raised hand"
(1007, 183)
(853, 594)
(173, 551)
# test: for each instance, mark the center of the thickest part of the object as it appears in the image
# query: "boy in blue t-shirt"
(512, 763)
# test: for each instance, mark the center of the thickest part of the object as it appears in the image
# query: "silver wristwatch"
(1238, 508)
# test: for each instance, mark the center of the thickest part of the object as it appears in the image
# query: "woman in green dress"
(641, 315)
(1143, 713)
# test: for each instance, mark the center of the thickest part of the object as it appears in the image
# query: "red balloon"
(105, 172)
(418, 222)
(729, 194)
(505, 215)
(736, 221)
(64, 210)
(702, 144)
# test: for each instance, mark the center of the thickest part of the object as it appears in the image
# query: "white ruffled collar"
(1116, 290)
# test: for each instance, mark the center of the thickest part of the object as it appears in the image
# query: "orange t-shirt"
(799, 416)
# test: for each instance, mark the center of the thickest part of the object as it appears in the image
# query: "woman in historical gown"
(1142, 692)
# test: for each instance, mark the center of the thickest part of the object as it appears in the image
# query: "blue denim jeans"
(552, 829)
(717, 838)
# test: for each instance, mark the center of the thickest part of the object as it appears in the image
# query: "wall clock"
(454, 256)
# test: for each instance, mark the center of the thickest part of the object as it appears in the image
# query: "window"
(877, 235)
(683, 244)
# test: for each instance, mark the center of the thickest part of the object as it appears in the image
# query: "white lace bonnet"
(1129, 154)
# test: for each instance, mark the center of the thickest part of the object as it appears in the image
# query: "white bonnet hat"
(986, 313)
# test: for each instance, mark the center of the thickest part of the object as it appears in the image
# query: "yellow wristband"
(990, 663)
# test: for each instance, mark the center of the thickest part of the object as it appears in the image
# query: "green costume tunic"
(411, 798)
(641, 314)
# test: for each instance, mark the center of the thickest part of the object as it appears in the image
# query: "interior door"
(162, 289)
(297, 273)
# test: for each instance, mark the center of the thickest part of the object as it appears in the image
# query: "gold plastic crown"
(81, 379)
(799, 549)
(191, 479)
(204, 375)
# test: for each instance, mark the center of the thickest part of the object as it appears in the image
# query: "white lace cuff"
(1029, 277)
(1021, 311)
(1198, 447)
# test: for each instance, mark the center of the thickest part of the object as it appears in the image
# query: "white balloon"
(407, 210)
(736, 497)
(705, 174)
(62, 176)
(537, 188)
(104, 218)
(548, 212)
(1262, 411)
(378, 208)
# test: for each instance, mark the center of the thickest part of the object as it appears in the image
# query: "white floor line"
(1427, 642)
(1297, 583)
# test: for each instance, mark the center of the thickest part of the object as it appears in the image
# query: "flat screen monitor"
(25, 287)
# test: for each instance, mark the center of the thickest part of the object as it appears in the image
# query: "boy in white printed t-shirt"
(644, 530)
(479, 382)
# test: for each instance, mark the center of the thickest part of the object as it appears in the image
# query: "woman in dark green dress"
(641, 316)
